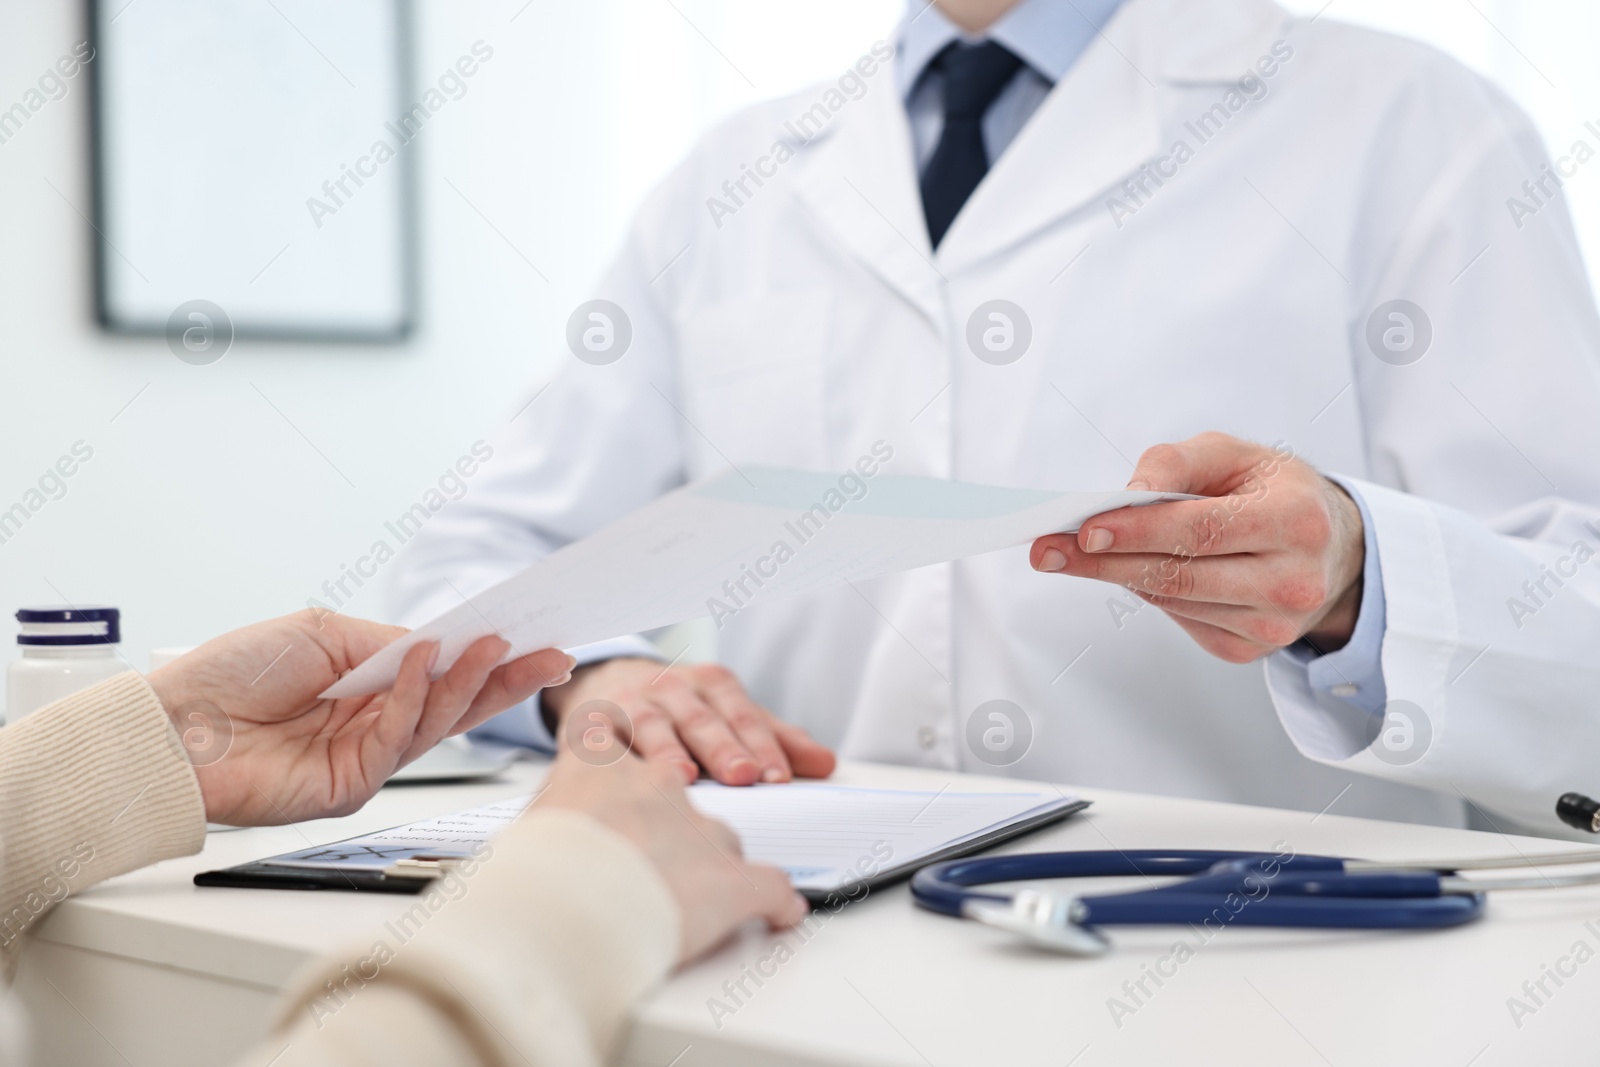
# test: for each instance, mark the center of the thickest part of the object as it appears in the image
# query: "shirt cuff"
(523, 724)
(1354, 673)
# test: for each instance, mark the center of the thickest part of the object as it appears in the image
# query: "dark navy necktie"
(973, 76)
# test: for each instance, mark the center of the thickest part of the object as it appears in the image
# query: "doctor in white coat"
(1322, 275)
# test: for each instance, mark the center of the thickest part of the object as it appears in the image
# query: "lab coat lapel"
(1103, 120)
(859, 182)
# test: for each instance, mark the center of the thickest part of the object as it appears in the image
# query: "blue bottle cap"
(83, 625)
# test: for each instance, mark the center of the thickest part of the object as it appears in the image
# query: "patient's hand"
(267, 750)
(699, 858)
(695, 716)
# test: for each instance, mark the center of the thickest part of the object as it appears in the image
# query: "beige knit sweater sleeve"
(90, 787)
(531, 955)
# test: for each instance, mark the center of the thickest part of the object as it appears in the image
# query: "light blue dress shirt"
(1047, 35)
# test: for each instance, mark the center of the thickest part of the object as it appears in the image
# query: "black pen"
(1579, 812)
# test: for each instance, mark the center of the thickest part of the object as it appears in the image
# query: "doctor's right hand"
(694, 716)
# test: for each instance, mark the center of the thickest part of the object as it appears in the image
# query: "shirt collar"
(1047, 35)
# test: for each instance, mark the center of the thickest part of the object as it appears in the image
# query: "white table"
(147, 969)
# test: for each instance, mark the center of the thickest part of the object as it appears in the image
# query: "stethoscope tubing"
(944, 887)
(1236, 888)
(1381, 912)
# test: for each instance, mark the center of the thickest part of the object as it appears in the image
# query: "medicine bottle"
(64, 650)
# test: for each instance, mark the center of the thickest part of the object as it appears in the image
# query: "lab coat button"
(1344, 689)
(927, 736)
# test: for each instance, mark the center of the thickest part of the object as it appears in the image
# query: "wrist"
(556, 700)
(161, 683)
(169, 693)
(1338, 624)
(204, 732)
(594, 680)
(1334, 628)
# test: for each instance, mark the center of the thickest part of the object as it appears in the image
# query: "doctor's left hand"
(693, 716)
(1276, 555)
(267, 751)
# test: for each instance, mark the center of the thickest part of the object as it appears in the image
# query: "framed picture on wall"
(253, 159)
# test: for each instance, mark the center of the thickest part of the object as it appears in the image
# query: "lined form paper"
(825, 837)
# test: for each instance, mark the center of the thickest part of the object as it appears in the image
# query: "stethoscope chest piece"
(1048, 920)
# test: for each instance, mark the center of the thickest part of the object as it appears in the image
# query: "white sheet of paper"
(823, 836)
(771, 531)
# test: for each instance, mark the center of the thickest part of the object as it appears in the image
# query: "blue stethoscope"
(1230, 888)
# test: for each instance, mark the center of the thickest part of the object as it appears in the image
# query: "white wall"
(202, 508)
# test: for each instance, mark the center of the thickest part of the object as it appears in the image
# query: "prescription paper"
(748, 535)
(823, 836)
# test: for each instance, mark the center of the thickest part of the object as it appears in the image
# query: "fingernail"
(562, 676)
(1052, 560)
(572, 663)
(433, 659)
(772, 774)
(802, 904)
(740, 766)
(1099, 540)
(1139, 485)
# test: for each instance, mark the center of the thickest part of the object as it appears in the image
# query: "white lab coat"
(813, 321)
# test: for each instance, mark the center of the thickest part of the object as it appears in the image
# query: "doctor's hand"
(699, 858)
(694, 716)
(267, 751)
(1277, 554)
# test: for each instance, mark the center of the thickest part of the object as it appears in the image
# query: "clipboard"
(410, 875)
(357, 865)
(904, 871)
